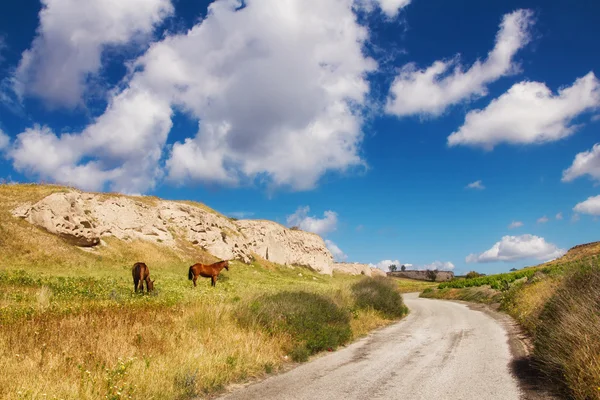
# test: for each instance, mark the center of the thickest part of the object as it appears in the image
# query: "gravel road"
(443, 351)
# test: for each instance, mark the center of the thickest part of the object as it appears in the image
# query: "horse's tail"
(190, 274)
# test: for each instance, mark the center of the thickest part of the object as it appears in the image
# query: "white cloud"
(542, 220)
(515, 224)
(430, 91)
(4, 140)
(124, 144)
(71, 38)
(439, 265)
(389, 7)
(513, 248)
(320, 226)
(337, 253)
(590, 206)
(585, 163)
(277, 89)
(475, 185)
(385, 264)
(575, 218)
(529, 113)
(559, 216)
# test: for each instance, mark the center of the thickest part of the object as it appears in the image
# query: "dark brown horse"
(141, 274)
(211, 271)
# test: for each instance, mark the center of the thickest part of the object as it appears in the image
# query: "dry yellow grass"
(412, 285)
(527, 303)
(71, 328)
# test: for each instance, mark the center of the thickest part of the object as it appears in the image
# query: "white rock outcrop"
(357, 269)
(352, 268)
(84, 218)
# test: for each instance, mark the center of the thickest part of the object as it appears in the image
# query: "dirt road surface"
(442, 351)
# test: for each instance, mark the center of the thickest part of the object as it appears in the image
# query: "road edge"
(533, 385)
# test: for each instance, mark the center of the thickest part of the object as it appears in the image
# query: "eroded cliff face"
(357, 269)
(83, 219)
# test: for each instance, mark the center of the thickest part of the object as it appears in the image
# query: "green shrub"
(473, 274)
(380, 294)
(567, 340)
(498, 282)
(314, 322)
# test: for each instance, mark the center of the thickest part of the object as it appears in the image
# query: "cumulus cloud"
(4, 140)
(384, 265)
(542, 220)
(439, 265)
(337, 253)
(71, 38)
(320, 226)
(590, 206)
(529, 113)
(430, 91)
(276, 87)
(388, 7)
(515, 224)
(475, 185)
(124, 145)
(559, 216)
(513, 248)
(585, 163)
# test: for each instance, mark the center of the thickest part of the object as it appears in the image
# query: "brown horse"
(211, 271)
(141, 273)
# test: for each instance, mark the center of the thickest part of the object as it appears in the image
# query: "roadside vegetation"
(405, 285)
(558, 304)
(71, 326)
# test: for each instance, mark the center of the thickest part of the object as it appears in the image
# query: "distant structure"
(442, 276)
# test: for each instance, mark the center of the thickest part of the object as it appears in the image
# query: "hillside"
(71, 326)
(103, 224)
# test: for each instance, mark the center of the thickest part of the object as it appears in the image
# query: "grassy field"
(558, 304)
(72, 328)
(413, 285)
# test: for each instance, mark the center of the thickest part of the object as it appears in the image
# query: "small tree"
(473, 274)
(393, 268)
(432, 275)
(403, 268)
(513, 269)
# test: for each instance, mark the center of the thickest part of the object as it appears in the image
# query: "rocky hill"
(88, 220)
(357, 269)
(422, 275)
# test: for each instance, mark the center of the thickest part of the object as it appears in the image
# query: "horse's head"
(226, 265)
(150, 285)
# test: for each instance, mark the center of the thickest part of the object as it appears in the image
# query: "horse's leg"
(194, 280)
(213, 280)
(135, 285)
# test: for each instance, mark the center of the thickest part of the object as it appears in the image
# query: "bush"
(380, 294)
(314, 322)
(567, 340)
(432, 275)
(499, 281)
(473, 274)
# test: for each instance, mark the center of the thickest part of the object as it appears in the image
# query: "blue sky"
(458, 135)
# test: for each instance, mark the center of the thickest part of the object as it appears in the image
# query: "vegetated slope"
(71, 326)
(558, 303)
(91, 220)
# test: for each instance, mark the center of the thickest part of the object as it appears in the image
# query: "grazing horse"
(141, 273)
(211, 271)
